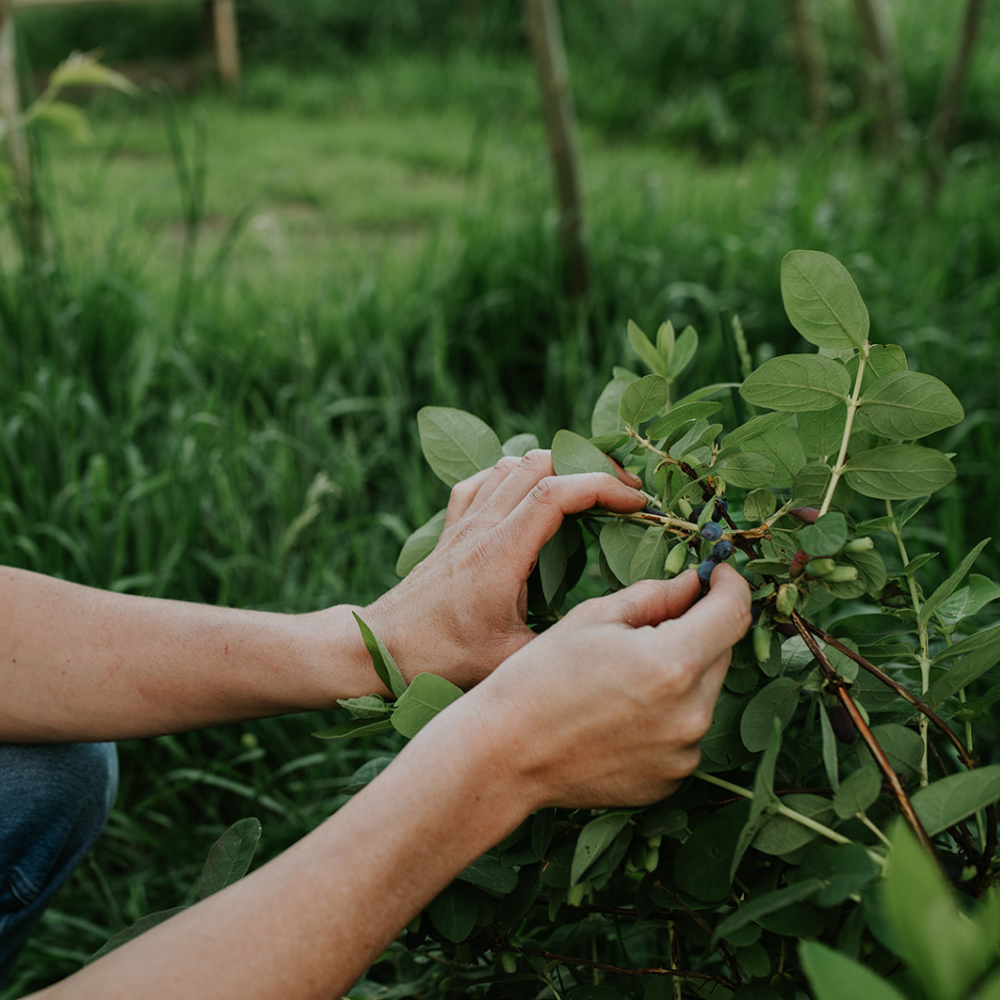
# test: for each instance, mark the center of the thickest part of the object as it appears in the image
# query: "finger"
(536, 518)
(470, 494)
(719, 620)
(648, 602)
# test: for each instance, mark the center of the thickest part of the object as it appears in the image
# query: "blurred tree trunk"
(812, 59)
(950, 98)
(545, 34)
(25, 207)
(882, 81)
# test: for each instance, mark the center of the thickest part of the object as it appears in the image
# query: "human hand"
(607, 707)
(462, 611)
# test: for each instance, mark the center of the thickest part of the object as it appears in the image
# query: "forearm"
(309, 923)
(84, 664)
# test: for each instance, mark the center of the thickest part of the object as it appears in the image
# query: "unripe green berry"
(819, 568)
(762, 643)
(863, 544)
(676, 558)
(842, 574)
(508, 962)
(575, 893)
(684, 507)
(652, 859)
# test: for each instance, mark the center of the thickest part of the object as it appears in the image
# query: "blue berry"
(711, 531)
(696, 511)
(722, 550)
(705, 571)
(721, 509)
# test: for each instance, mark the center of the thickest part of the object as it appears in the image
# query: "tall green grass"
(209, 380)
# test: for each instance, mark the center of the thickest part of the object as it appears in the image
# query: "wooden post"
(227, 49)
(812, 61)
(553, 76)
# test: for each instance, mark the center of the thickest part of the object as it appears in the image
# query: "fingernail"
(633, 480)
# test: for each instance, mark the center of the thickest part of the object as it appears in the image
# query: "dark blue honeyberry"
(722, 550)
(711, 531)
(705, 571)
(721, 509)
(755, 611)
(696, 511)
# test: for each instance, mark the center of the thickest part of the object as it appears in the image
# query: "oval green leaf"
(908, 405)
(573, 454)
(456, 444)
(642, 400)
(797, 383)
(822, 301)
(898, 472)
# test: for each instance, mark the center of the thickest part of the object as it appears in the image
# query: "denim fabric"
(54, 799)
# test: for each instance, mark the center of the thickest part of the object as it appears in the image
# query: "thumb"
(647, 602)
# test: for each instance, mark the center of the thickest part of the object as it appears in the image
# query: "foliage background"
(208, 388)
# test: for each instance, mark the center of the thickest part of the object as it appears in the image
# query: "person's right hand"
(607, 707)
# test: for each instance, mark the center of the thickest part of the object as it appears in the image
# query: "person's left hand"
(462, 611)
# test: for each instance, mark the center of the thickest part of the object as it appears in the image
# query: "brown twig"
(839, 686)
(904, 693)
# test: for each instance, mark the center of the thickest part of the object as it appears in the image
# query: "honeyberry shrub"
(839, 838)
(850, 707)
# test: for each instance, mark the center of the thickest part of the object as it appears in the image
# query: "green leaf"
(701, 864)
(754, 427)
(572, 454)
(968, 601)
(355, 728)
(770, 902)
(797, 382)
(684, 351)
(948, 800)
(883, 359)
(822, 301)
(759, 505)
(229, 859)
(977, 654)
(420, 544)
(619, 542)
(456, 444)
(680, 415)
(945, 950)
(776, 700)
(845, 868)
(898, 472)
(649, 557)
(487, 873)
(385, 666)
(908, 405)
(66, 118)
(644, 399)
(833, 976)
(142, 925)
(764, 801)
(595, 838)
(782, 834)
(605, 418)
(427, 695)
(745, 469)
(81, 70)
(821, 432)
(782, 447)
(810, 486)
(519, 445)
(945, 590)
(368, 706)
(721, 747)
(857, 792)
(455, 911)
(825, 537)
(648, 354)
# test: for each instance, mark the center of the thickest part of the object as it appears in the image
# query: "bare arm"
(83, 664)
(606, 708)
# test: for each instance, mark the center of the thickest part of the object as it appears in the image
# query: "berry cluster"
(721, 550)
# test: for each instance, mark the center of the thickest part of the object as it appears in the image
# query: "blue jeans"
(54, 799)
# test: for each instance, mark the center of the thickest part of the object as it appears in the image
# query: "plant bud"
(762, 644)
(842, 574)
(652, 858)
(788, 594)
(841, 723)
(820, 567)
(684, 507)
(654, 840)
(675, 560)
(798, 563)
(863, 544)
(808, 514)
(575, 893)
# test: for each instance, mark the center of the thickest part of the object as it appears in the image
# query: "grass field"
(209, 390)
